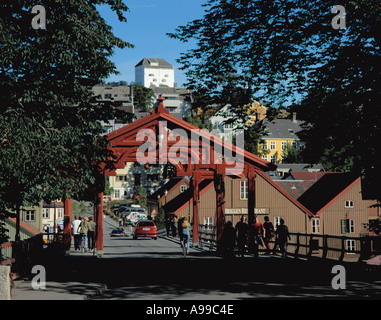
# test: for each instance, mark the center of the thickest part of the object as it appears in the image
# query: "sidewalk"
(23, 290)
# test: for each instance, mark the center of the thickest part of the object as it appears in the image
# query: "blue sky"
(148, 21)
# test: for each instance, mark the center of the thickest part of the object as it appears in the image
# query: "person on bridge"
(84, 228)
(75, 232)
(256, 235)
(228, 239)
(282, 237)
(91, 234)
(241, 228)
(186, 227)
(269, 233)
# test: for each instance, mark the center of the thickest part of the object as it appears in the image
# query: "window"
(273, 158)
(60, 212)
(277, 221)
(272, 145)
(208, 222)
(351, 246)
(151, 75)
(284, 145)
(108, 96)
(301, 145)
(45, 213)
(117, 193)
(349, 204)
(347, 225)
(264, 145)
(294, 145)
(244, 192)
(264, 157)
(30, 215)
(183, 187)
(315, 225)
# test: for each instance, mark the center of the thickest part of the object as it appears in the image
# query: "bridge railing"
(302, 245)
(23, 255)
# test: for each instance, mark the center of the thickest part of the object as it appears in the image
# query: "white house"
(154, 72)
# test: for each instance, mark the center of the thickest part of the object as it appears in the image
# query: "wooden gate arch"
(162, 138)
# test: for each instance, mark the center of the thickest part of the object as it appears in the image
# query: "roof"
(119, 143)
(295, 188)
(26, 228)
(154, 63)
(300, 167)
(178, 203)
(158, 194)
(324, 191)
(307, 176)
(281, 128)
(285, 193)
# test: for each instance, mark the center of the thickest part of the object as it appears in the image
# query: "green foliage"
(288, 51)
(49, 121)
(143, 197)
(143, 97)
(3, 231)
(292, 155)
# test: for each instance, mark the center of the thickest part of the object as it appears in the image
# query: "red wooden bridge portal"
(160, 138)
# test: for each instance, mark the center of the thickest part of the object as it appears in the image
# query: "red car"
(145, 228)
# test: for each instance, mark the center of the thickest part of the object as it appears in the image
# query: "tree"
(290, 51)
(52, 144)
(292, 155)
(143, 97)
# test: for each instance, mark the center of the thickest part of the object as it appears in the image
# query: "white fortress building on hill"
(154, 72)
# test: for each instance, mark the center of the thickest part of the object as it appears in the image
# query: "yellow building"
(278, 133)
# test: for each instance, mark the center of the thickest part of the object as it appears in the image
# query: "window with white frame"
(315, 225)
(45, 213)
(272, 145)
(183, 187)
(284, 145)
(60, 212)
(294, 145)
(273, 158)
(264, 145)
(117, 193)
(277, 221)
(244, 191)
(347, 225)
(350, 246)
(349, 204)
(30, 215)
(264, 157)
(208, 222)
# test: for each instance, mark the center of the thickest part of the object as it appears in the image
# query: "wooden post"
(195, 179)
(100, 225)
(251, 193)
(67, 223)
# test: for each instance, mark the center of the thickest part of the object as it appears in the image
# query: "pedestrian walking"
(228, 239)
(256, 235)
(168, 224)
(241, 229)
(83, 229)
(269, 233)
(121, 224)
(173, 226)
(91, 234)
(282, 235)
(75, 232)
